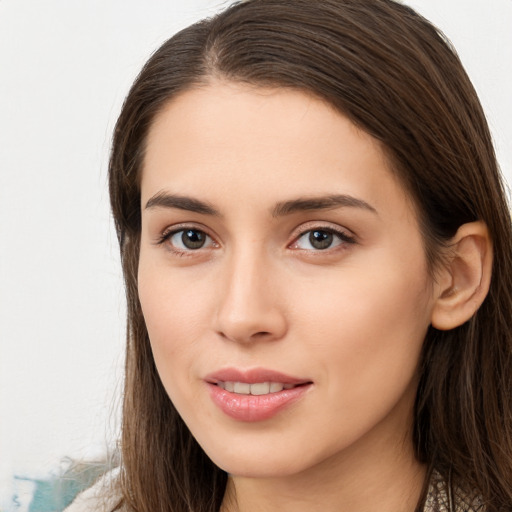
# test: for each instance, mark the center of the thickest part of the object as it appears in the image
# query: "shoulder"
(101, 497)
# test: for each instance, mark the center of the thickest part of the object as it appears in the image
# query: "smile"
(255, 395)
(258, 388)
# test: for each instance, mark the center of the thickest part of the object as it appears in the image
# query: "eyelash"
(167, 235)
(343, 238)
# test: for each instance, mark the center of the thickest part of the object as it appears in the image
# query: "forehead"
(229, 138)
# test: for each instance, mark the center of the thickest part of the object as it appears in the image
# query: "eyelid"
(346, 236)
(165, 235)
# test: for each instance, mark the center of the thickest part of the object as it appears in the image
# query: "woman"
(316, 248)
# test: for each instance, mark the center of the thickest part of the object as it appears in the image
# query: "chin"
(246, 468)
(257, 459)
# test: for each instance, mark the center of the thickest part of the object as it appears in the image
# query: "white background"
(65, 67)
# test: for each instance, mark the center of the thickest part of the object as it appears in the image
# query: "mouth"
(255, 381)
(256, 388)
(255, 395)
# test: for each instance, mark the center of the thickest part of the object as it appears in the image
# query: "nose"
(249, 307)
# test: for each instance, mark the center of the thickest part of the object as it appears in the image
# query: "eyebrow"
(320, 203)
(283, 208)
(165, 200)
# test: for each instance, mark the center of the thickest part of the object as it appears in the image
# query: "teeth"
(276, 386)
(242, 388)
(258, 388)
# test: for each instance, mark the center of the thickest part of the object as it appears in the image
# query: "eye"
(321, 239)
(187, 239)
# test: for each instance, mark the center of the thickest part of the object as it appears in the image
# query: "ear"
(464, 279)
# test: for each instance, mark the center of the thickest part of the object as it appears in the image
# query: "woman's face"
(282, 279)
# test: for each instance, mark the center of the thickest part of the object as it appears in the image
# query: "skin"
(350, 318)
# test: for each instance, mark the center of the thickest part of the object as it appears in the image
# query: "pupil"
(193, 239)
(320, 239)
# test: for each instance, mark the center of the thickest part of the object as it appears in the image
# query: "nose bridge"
(248, 306)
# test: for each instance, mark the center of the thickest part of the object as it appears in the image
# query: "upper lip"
(252, 376)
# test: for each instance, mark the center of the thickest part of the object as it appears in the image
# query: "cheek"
(173, 315)
(174, 318)
(370, 324)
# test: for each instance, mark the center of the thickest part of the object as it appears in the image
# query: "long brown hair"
(398, 78)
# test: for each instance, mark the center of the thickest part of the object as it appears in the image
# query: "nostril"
(242, 337)
(241, 323)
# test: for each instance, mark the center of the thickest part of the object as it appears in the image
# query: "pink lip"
(252, 408)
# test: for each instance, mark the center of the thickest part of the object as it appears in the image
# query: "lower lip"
(253, 408)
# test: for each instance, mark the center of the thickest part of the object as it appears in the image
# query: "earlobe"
(465, 278)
